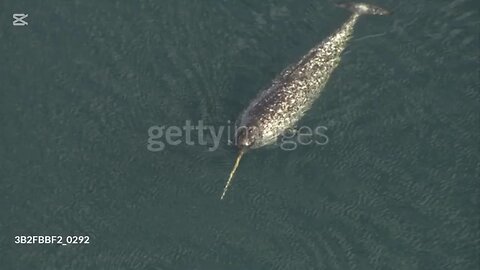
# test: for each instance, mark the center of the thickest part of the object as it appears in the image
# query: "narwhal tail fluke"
(232, 173)
(364, 9)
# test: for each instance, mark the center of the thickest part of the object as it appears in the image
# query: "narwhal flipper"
(364, 9)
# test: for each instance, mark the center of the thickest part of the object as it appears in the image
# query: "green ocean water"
(396, 187)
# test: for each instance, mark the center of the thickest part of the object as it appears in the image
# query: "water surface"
(396, 187)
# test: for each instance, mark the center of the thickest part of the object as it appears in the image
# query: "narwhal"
(294, 90)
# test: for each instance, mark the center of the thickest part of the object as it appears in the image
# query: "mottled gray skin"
(293, 92)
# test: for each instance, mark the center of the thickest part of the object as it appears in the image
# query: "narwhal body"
(293, 92)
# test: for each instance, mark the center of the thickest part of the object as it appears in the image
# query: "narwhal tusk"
(229, 181)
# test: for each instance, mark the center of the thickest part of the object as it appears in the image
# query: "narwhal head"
(246, 136)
